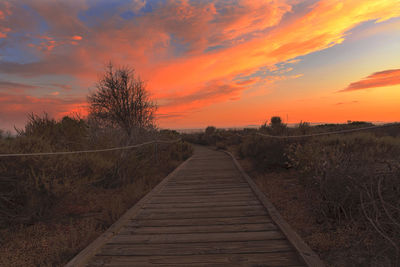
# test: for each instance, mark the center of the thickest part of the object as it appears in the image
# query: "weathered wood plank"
(206, 184)
(127, 230)
(206, 187)
(202, 204)
(206, 192)
(145, 214)
(199, 221)
(245, 259)
(196, 248)
(209, 181)
(196, 237)
(203, 209)
(204, 195)
(158, 199)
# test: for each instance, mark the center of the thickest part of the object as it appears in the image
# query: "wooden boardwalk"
(206, 213)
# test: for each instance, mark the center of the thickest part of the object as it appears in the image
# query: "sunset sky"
(223, 63)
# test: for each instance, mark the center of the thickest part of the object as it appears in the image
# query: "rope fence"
(179, 139)
(90, 151)
(327, 133)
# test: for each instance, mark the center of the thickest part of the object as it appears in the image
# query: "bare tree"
(121, 100)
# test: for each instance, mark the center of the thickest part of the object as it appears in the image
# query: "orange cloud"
(76, 37)
(324, 26)
(5, 11)
(13, 107)
(247, 82)
(212, 92)
(377, 79)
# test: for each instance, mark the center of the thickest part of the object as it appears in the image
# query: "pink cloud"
(15, 107)
(212, 92)
(4, 12)
(377, 79)
(76, 37)
(247, 82)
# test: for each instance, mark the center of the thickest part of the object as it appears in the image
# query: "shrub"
(267, 153)
(275, 127)
(210, 130)
(357, 177)
(29, 185)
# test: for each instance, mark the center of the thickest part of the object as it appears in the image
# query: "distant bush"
(210, 137)
(275, 127)
(210, 130)
(267, 153)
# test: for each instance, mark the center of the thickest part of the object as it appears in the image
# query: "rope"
(328, 133)
(89, 151)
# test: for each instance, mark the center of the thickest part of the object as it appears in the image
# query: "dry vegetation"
(340, 192)
(53, 206)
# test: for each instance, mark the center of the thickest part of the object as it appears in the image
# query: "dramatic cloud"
(192, 54)
(377, 79)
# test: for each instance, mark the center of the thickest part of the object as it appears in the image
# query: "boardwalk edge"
(86, 254)
(306, 253)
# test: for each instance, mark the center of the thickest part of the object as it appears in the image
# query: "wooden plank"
(199, 221)
(196, 248)
(209, 181)
(202, 201)
(306, 253)
(204, 204)
(195, 237)
(191, 174)
(207, 192)
(205, 195)
(158, 199)
(208, 214)
(207, 187)
(245, 259)
(84, 256)
(209, 175)
(202, 181)
(204, 209)
(197, 229)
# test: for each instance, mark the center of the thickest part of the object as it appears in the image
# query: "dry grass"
(339, 245)
(73, 222)
(53, 207)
